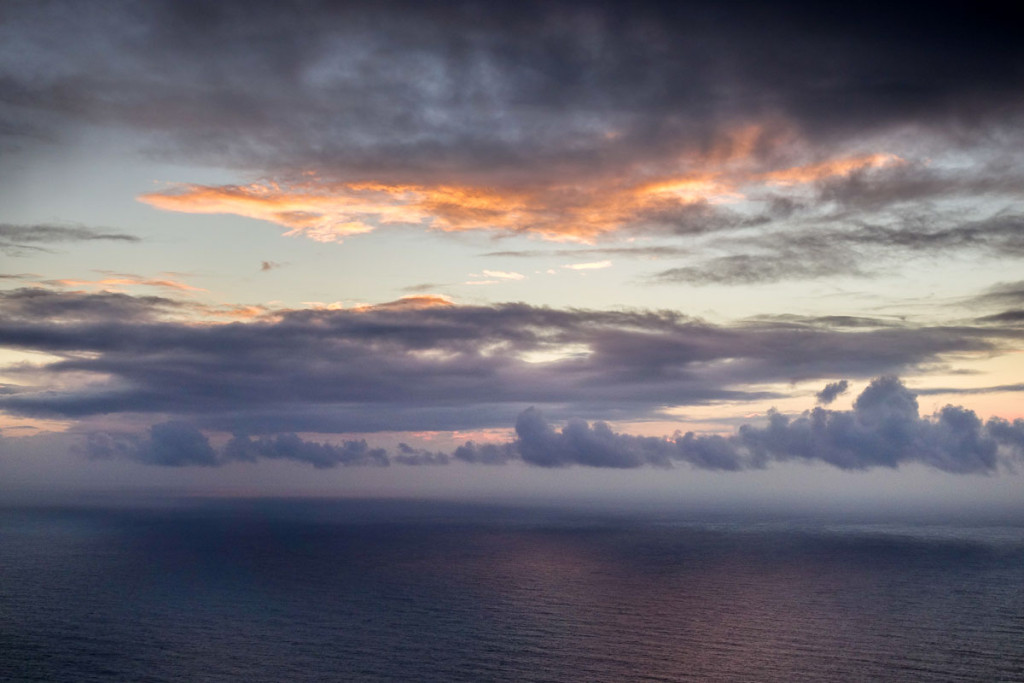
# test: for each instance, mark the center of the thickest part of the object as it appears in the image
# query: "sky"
(739, 253)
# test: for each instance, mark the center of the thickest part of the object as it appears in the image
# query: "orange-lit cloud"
(330, 212)
(240, 312)
(411, 302)
(834, 167)
(580, 211)
(118, 281)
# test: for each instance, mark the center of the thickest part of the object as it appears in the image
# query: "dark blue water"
(273, 591)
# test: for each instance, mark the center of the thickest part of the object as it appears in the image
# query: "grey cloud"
(748, 269)
(658, 251)
(1013, 317)
(995, 175)
(832, 391)
(16, 240)
(444, 367)
(1001, 234)
(1006, 293)
(577, 443)
(999, 388)
(459, 88)
(168, 444)
(37, 304)
(1001, 295)
(407, 455)
(318, 454)
(1010, 434)
(424, 287)
(851, 246)
(884, 429)
(485, 453)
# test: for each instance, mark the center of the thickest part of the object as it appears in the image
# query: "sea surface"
(401, 591)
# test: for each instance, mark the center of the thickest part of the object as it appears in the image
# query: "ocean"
(281, 590)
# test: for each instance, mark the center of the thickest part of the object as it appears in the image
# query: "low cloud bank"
(883, 429)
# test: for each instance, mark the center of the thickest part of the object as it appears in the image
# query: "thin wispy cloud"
(18, 240)
(591, 265)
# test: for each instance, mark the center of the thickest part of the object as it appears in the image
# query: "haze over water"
(380, 591)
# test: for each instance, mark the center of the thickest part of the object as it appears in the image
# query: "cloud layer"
(564, 120)
(426, 363)
(884, 429)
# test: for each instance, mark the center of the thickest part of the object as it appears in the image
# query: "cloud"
(407, 455)
(579, 443)
(593, 265)
(748, 269)
(504, 275)
(18, 240)
(832, 391)
(830, 169)
(884, 429)
(567, 87)
(485, 453)
(852, 246)
(329, 211)
(877, 135)
(494, 277)
(424, 362)
(999, 388)
(640, 252)
(28, 304)
(565, 121)
(1006, 292)
(168, 444)
(115, 281)
(318, 454)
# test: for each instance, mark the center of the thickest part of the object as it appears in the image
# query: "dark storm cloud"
(16, 240)
(832, 391)
(466, 87)
(414, 365)
(884, 429)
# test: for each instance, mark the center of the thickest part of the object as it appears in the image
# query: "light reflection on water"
(370, 591)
